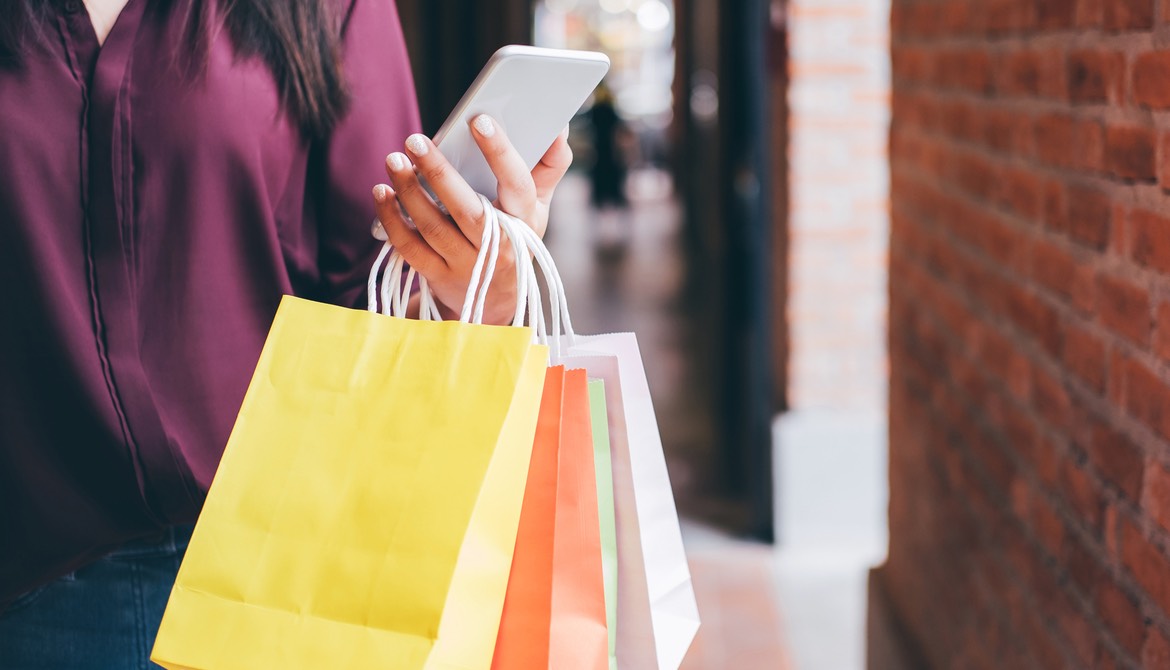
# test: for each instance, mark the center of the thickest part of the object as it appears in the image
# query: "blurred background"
(728, 203)
(900, 270)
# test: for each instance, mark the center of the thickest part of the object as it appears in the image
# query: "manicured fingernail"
(398, 161)
(565, 133)
(417, 145)
(378, 231)
(381, 192)
(484, 125)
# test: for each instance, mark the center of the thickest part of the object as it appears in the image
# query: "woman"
(168, 170)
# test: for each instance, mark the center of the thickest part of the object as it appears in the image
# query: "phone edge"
(502, 54)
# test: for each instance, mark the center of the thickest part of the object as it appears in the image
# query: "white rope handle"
(552, 277)
(515, 228)
(395, 293)
(528, 300)
(391, 282)
(372, 283)
(525, 279)
(490, 233)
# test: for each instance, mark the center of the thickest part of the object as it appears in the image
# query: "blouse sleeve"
(383, 111)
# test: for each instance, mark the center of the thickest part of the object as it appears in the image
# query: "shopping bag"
(579, 637)
(656, 603)
(554, 612)
(523, 640)
(366, 508)
(606, 520)
(656, 606)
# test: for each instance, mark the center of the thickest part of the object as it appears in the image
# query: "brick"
(1021, 498)
(1084, 568)
(1053, 82)
(1045, 461)
(1004, 16)
(1129, 15)
(1059, 271)
(1149, 234)
(1164, 159)
(1107, 660)
(1083, 637)
(1162, 331)
(957, 119)
(1150, 79)
(1121, 616)
(1019, 73)
(1095, 76)
(1089, 13)
(1147, 398)
(1131, 152)
(956, 18)
(909, 64)
(1065, 141)
(1119, 228)
(1021, 192)
(965, 69)
(1050, 398)
(973, 173)
(1088, 219)
(1006, 131)
(1116, 389)
(1148, 565)
(1045, 650)
(1116, 457)
(1055, 14)
(1084, 354)
(1156, 493)
(1088, 145)
(1155, 651)
(1036, 318)
(1055, 196)
(1124, 307)
(1084, 496)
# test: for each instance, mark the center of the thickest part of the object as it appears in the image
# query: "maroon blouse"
(149, 224)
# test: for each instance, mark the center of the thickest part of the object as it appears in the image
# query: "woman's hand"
(443, 248)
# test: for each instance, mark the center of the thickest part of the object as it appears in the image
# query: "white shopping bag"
(656, 601)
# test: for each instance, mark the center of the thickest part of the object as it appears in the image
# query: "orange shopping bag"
(523, 641)
(554, 610)
(579, 637)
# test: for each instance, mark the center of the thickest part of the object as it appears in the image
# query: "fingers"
(552, 167)
(517, 192)
(462, 203)
(407, 240)
(438, 231)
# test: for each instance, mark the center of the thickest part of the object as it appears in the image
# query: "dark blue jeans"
(102, 617)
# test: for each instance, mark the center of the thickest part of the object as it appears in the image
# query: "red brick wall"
(1030, 332)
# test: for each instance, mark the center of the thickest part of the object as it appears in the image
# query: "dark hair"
(299, 40)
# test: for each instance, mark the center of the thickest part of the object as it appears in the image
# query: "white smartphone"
(533, 93)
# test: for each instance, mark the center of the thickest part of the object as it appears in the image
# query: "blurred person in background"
(607, 175)
(170, 169)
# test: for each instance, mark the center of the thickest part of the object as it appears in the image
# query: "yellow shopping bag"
(365, 510)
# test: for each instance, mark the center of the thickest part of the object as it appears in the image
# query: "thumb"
(552, 167)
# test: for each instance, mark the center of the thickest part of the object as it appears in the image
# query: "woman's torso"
(149, 224)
